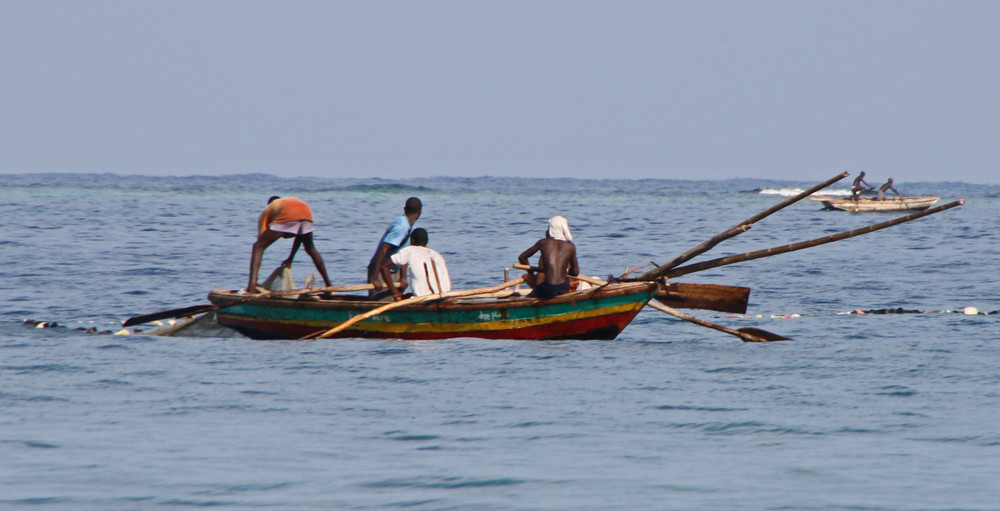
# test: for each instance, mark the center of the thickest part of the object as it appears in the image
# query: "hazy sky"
(617, 89)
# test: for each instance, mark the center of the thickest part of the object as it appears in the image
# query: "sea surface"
(858, 412)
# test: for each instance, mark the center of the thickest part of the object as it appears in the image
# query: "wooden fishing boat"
(864, 204)
(596, 313)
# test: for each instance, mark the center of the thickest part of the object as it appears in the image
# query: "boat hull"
(597, 314)
(865, 204)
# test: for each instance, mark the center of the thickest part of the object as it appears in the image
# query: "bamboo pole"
(739, 258)
(437, 277)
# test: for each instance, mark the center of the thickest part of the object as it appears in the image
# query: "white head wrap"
(559, 229)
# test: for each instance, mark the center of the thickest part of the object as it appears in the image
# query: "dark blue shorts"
(546, 290)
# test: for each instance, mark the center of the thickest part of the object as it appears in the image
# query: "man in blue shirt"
(396, 237)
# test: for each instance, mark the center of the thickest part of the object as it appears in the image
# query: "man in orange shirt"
(284, 218)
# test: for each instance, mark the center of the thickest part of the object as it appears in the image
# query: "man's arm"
(384, 271)
(441, 275)
(381, 254)
(531, 279)
(574, 266)
(523, 258)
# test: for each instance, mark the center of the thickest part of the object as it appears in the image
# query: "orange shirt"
(287, 209)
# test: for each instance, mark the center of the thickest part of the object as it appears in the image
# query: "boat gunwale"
(920, 198)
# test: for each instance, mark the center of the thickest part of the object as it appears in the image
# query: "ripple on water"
(443, 482)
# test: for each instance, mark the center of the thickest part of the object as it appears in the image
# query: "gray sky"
(618, 89)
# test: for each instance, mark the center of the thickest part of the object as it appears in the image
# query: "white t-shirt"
(422, 262)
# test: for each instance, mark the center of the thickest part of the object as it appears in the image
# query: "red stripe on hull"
(605, 327)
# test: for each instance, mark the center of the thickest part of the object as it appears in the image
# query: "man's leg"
(307, 243)
(263, 241)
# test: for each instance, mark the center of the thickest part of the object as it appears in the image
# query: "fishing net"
(205, 325)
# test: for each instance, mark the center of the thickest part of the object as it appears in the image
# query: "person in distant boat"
(887, 186)
(287, 217)
(556, 262)
(395, 237)
(428, 273)
(860, 185)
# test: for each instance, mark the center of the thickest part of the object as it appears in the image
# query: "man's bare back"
(557, 260)
(555, 263)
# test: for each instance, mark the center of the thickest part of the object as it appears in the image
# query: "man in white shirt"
(428, 272)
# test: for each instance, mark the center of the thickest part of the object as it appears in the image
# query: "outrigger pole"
(739, 258)
(735, 230)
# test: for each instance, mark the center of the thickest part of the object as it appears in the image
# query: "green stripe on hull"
(300, 312)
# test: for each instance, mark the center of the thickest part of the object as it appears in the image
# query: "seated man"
(860, 185)
(555, 263)
(428, 272)
(284, 218)
(883, 188)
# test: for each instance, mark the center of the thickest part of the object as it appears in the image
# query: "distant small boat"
(872, 204)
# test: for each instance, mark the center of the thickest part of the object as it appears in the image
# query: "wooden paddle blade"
(745, 334)
(716, 297)
(172, 313)
(760, 335)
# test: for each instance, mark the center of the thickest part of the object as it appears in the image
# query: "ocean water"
(858, 412)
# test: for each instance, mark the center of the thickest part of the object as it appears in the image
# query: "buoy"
(971, 311)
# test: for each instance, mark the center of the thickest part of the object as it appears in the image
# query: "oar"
(198, 309)
(739, 228)
(902, 199)
(409, 301)
(747, 334)
(739, 258)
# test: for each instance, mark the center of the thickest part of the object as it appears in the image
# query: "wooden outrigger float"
(498, 312)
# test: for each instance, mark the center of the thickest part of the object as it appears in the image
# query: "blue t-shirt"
(398, 233)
